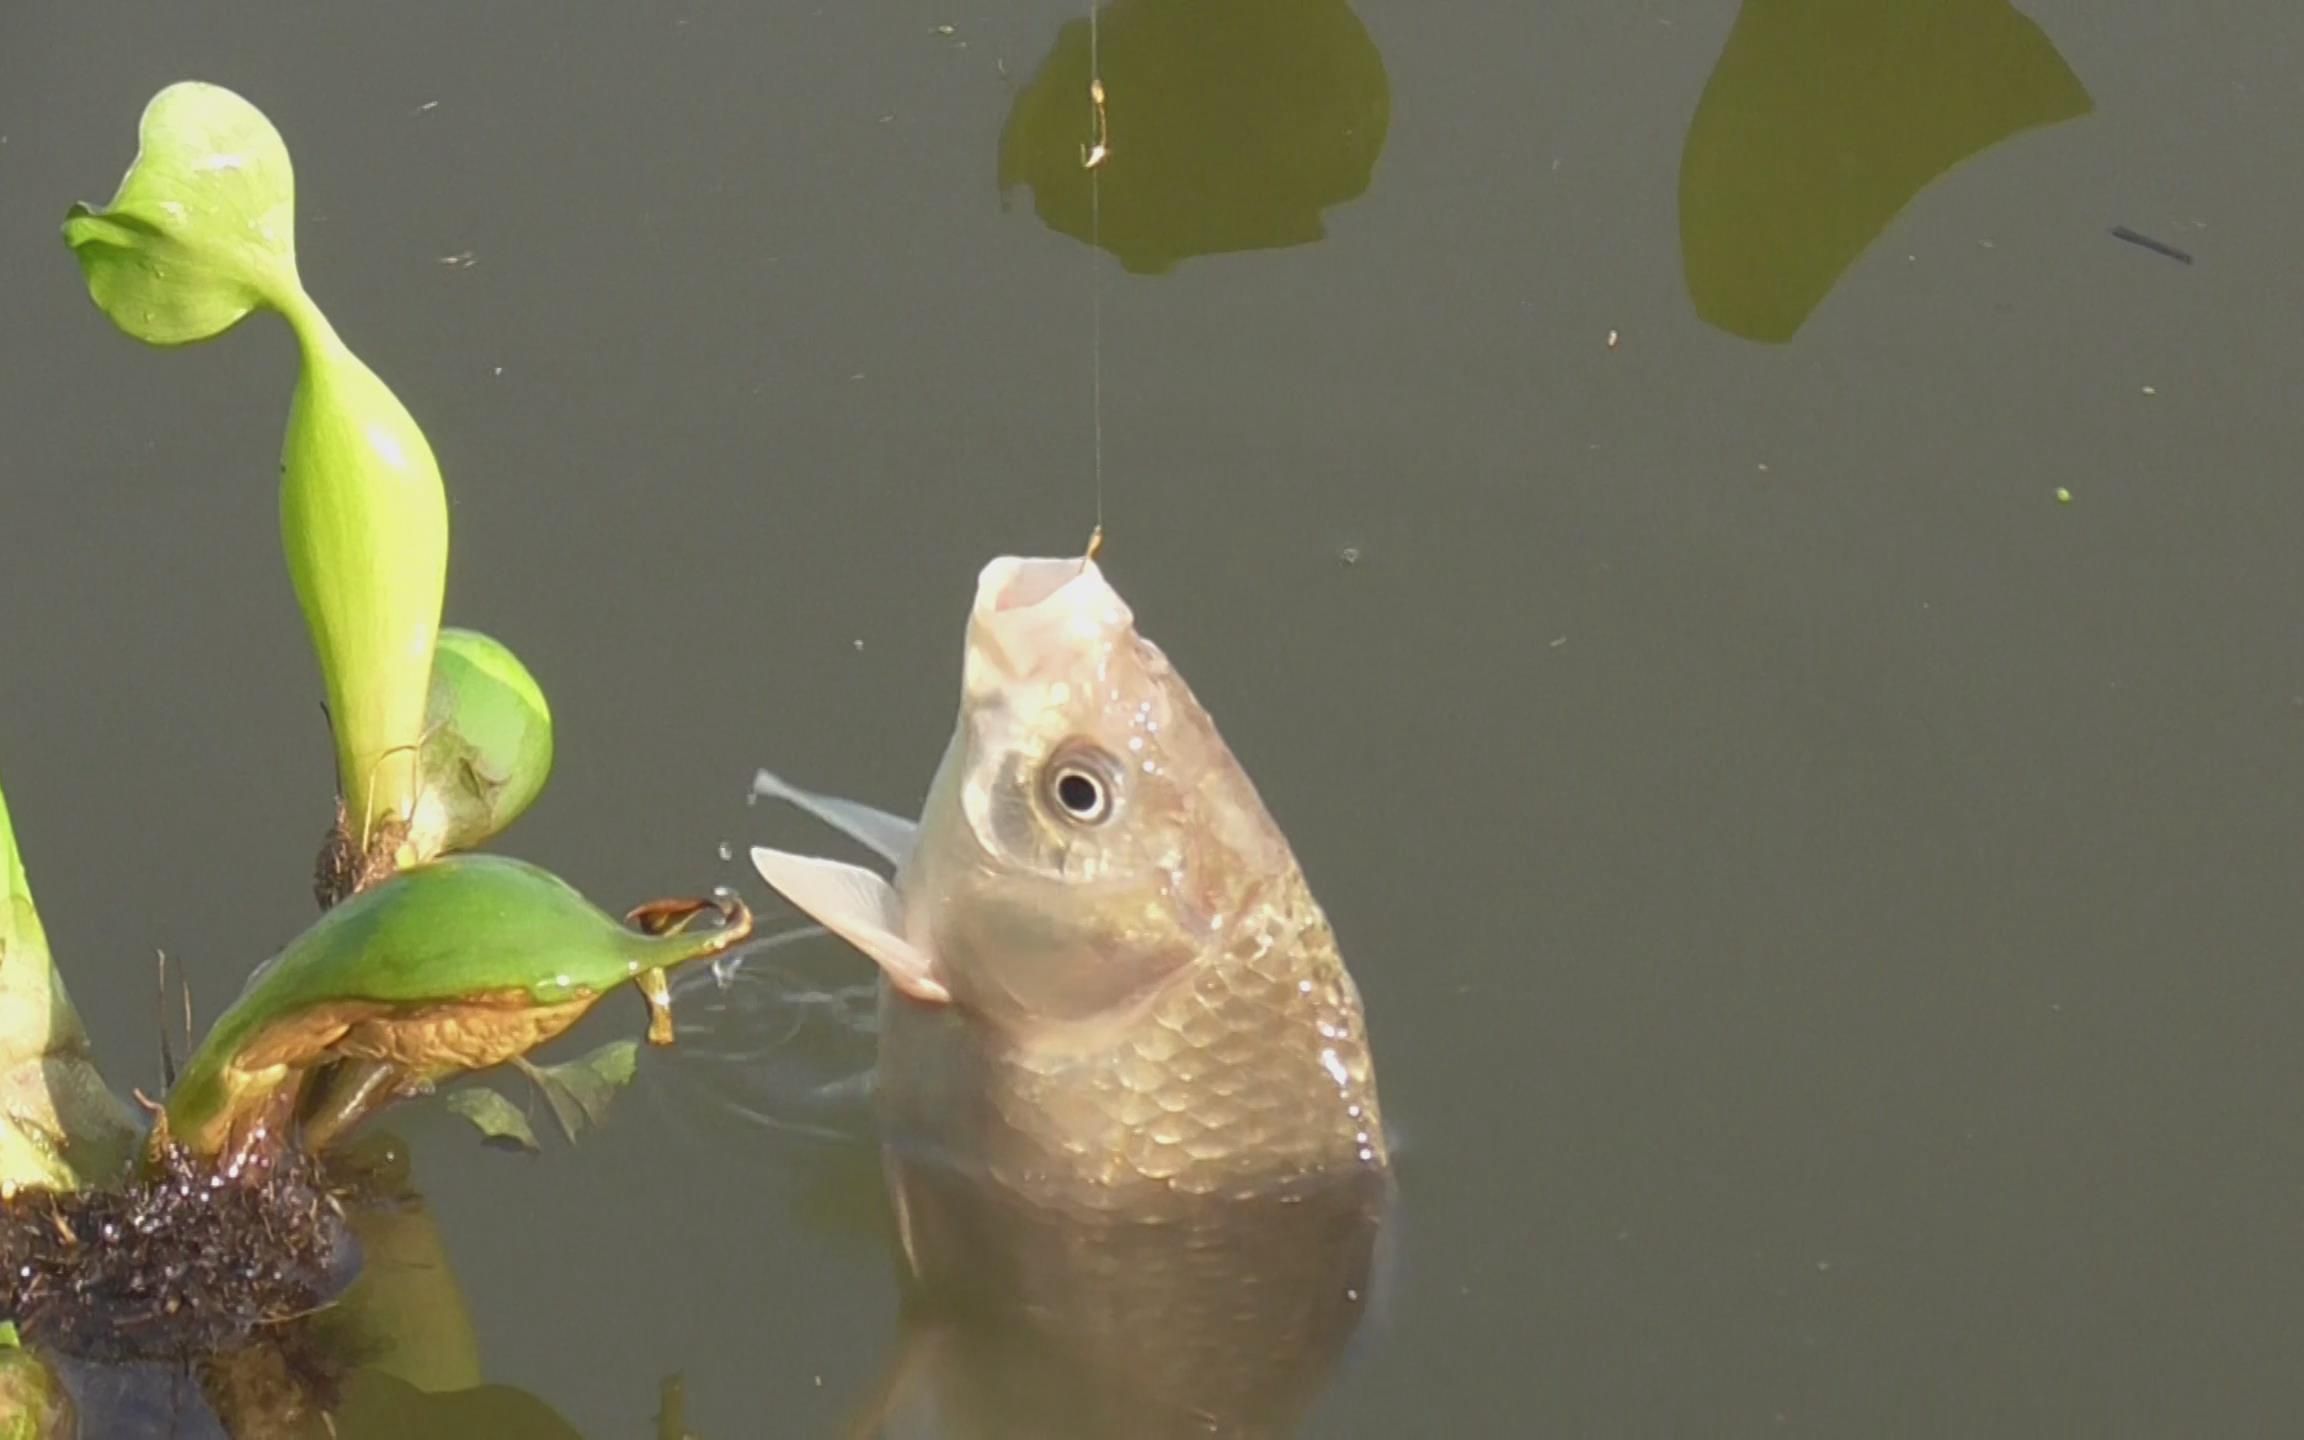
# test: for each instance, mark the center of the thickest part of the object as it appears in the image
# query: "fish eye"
(1080, 788)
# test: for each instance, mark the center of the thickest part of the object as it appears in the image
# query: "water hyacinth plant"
(201, 233)
(443, 737)
(425, 965)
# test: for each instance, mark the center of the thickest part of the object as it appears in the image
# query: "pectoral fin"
(886, 835)
(860, 908)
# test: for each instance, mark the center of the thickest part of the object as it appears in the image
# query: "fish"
(1126, 1091)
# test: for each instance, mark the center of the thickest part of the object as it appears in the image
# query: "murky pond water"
(1775, 633)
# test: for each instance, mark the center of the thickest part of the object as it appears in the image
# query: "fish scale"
(1250, 1071)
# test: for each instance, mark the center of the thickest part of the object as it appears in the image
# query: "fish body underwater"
(1127, 1101)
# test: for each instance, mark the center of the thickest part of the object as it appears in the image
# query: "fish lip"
(1021, 582)
(1032, 610)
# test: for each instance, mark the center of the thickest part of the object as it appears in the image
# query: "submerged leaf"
(59, 1126)
(672, 1409)
(377, 1406)
(405, 1315)
(449, 967)
(498, 1120)
(579, 1090)
(487, 744)
(203, 228)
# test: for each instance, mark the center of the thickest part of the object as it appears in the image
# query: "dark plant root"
(189, 1263)
(344, 868)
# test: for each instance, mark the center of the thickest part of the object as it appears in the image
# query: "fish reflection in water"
(1210, 1315)
(1129, 1115)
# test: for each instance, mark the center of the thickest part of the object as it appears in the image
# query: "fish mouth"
(1015, 582)
(1031, 613)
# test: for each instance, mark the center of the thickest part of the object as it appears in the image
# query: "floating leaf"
(1233, 124)
(579, 1090)
(59, 1126)
(487, 745)
(453, 966)
(498, 1120)
(1822, 120)
(203, 228)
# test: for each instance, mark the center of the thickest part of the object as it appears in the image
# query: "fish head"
(1089, 835)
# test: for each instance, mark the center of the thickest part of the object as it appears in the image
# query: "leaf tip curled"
(202, 228)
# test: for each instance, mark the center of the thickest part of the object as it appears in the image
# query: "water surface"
(1826, 908)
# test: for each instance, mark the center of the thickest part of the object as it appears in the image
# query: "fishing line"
(1093, 157)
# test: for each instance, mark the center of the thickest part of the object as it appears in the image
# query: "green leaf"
(453, 966)
(579, 1090)
(497, 1119)
(60, 1127)
(487, 746)
(203, 228)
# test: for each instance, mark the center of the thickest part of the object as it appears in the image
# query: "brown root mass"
(190, 1261)
(344, 867)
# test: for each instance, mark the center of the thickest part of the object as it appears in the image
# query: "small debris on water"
(2150, 391)
(427, 105)
(944, 30)
(1611, 339)
(1350, 554)
(727, 851)
(461, 260)
(2063, 496)
(1557, 643)
(858, 642)
(499, 369)
(2146, 242)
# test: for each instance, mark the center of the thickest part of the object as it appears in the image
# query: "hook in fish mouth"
(1032, 616)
